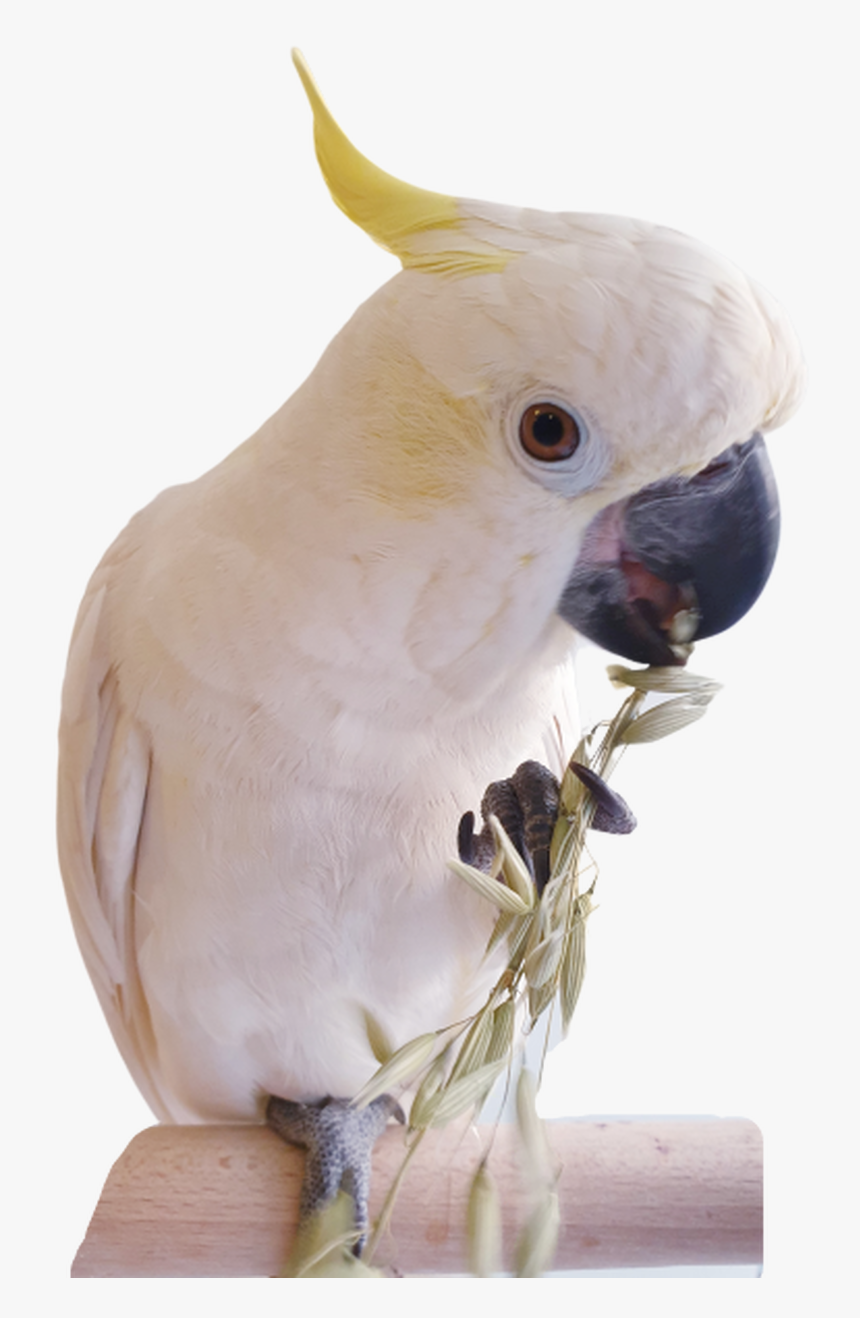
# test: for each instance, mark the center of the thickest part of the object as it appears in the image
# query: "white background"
(173, 267)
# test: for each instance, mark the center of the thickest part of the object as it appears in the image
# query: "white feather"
(290, 678)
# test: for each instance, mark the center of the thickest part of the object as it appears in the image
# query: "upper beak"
(680, 560)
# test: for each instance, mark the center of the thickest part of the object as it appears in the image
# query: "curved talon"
(466, 838)
(338, 1140)
(612, 814)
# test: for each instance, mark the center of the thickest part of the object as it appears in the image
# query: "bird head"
(596, 387)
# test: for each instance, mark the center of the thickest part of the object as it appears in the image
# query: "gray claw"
(612, 814)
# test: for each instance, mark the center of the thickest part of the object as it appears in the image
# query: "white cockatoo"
(290, 678)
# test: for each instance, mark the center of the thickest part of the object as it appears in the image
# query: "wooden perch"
(222, 1201)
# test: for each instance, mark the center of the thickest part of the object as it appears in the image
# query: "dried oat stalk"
(455, 1068)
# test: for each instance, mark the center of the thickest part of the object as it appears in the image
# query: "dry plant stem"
(473, 1038)
(545, 938)
(382, 1223)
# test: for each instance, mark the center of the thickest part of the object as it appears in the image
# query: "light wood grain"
(222, 1201)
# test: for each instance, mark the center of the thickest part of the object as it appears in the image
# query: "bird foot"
(338, 1139)
(526, 805)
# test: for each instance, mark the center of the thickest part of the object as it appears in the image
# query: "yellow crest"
(426, 230)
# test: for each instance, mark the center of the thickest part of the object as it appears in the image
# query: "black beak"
(680, 560)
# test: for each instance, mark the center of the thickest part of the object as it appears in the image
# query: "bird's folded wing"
(103, 777)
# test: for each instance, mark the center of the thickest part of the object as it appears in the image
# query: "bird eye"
(549, 433)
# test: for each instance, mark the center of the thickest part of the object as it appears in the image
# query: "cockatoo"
(289, 679)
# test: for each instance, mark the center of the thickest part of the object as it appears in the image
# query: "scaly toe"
(338, 1139)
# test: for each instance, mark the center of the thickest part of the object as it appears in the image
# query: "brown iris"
(548, 433)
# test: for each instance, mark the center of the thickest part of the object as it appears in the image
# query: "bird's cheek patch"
(423, 445)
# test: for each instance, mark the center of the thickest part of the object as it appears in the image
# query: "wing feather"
(103, 777)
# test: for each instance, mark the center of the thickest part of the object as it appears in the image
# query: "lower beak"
(680, 560)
